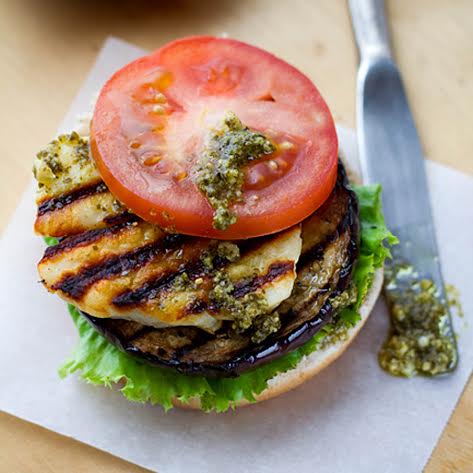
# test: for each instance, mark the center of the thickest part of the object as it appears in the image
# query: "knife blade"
(391, 154)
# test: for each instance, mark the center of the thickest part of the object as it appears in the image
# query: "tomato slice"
(153, 117)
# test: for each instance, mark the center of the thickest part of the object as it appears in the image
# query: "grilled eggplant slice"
(330, 242)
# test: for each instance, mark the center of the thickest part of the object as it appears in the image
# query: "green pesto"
(220, 172)
(223, 249)
(249, 312)
(229, 251)
(345, 299)
(50, 157)
(244, 310)
(421, 341)
(453, 299)
(182, 282)
(339, 329)
(264, 326)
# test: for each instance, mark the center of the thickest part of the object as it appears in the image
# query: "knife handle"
(369, 25)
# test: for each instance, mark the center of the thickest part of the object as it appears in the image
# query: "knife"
(391, 154)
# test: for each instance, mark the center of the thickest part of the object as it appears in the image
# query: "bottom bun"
(309, 365)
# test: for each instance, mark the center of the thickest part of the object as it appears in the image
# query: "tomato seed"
(286, 145)
(151, 160)
(159, 109)
(160, 98)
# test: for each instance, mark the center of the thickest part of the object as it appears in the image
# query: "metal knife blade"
(389, 146)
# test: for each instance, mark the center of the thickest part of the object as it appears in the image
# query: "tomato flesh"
(153, 118)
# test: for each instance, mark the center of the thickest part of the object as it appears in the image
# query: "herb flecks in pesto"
(229, 251)
(244, 310)
(182, 282)
(421, 341)
(48, 165)
(264, 326)
(63, 165)
(250, 312)
(453, 299)
(220, 172)
(339, 329)
(345, 299)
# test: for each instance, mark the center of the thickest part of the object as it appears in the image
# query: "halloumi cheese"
(111, 264)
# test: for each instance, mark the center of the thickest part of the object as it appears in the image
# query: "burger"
(204, 232)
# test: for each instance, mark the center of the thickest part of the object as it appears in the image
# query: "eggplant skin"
(330, 247)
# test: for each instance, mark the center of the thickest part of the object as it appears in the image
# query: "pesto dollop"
(244, 310)
(250, 312)
(339, 329)
(421, 341)
(48, 164)
(220, 172)
(264, 326)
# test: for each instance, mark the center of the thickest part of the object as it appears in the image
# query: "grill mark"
(346, 267)
(202, 339)
(124, 217)
(253, 244)
(347, 220)
(275, 270)
(88, 237)
(244, 287)
(249, 357)
(77, 284)
(57, 203)
(316, 252)
(195, 307)
(153, 287)
(156, 285)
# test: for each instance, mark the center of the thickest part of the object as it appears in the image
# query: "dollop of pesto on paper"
(421, 341)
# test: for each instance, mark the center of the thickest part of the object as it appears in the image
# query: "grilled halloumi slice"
(71, 195)
(112, 264)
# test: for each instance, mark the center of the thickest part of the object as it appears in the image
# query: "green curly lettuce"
(101, 363)
(50, 241)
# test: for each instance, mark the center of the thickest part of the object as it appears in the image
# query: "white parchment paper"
(350, 418)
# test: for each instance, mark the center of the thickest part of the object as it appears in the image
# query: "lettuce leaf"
(50, 241)
(100, 363)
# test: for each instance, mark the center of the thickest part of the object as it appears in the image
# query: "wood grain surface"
(48, 46)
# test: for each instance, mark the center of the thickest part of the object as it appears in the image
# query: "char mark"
(155, 286)
(125, 217)
(76, 285)
(57, 203)
(349, 220)
(242, 287)
(275, 270)
(316, 252)
(88, 237)
(195, 307)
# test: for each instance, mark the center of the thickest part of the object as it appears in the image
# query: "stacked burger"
(204, 232)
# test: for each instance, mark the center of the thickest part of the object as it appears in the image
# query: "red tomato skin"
(183, 208)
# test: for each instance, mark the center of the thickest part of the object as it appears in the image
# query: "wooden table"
(47, 47)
